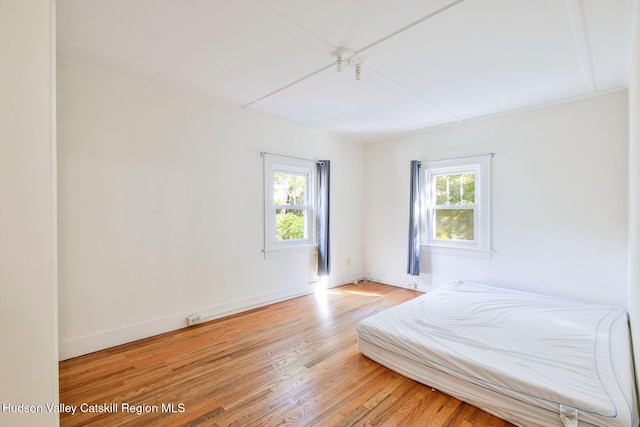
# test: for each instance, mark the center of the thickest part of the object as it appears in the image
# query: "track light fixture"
(357, 62)
(342, 54)
(345, 54)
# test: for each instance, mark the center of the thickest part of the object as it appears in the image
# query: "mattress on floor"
(524, 357)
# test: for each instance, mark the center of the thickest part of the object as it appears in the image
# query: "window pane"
(454, 224)
(289, 188)
(298, 193)
(290, 224)
(456, 189)
(468, 191)
(441, 190)
(279, 189)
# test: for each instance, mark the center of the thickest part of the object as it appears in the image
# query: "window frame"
(481, 245)
(275, 248)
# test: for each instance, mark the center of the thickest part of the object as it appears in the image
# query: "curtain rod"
(461, 158)
(262, 153)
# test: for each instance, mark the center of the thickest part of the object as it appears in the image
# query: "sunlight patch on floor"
(321, 295)
(364, 293)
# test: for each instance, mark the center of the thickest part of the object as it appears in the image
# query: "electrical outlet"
(348, 261)
(194, 319)
(412, 285)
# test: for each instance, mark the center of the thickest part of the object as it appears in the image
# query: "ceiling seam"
(177, 89)
(290, 21)
(295, 82)
(358, 51)
(499, 114)
(428, 101)
(581, 37)
(342, 131)
(411, 25)
(632, 27)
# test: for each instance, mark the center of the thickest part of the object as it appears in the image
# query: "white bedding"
(527, 356)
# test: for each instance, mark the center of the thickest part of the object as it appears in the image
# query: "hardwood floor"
(291, 363)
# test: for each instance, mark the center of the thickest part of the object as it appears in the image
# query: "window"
(457, 200)
(289, 205)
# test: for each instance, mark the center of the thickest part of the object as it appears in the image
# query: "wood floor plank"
(293, 363)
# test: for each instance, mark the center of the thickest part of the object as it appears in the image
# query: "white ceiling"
(426, 62)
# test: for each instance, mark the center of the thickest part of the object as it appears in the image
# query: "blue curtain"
(413, 264)
(324, 253)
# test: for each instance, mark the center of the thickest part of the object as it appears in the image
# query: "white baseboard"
(86, 344)
(400, 282)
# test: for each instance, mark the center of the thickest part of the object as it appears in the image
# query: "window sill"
(286, 251)
(457, 251)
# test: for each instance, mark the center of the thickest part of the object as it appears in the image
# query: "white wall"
(634, 194)
(161, 209)
(559, 201)
(28, 293)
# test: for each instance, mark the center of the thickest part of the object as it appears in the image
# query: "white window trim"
(481, 246)
(272, 247)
